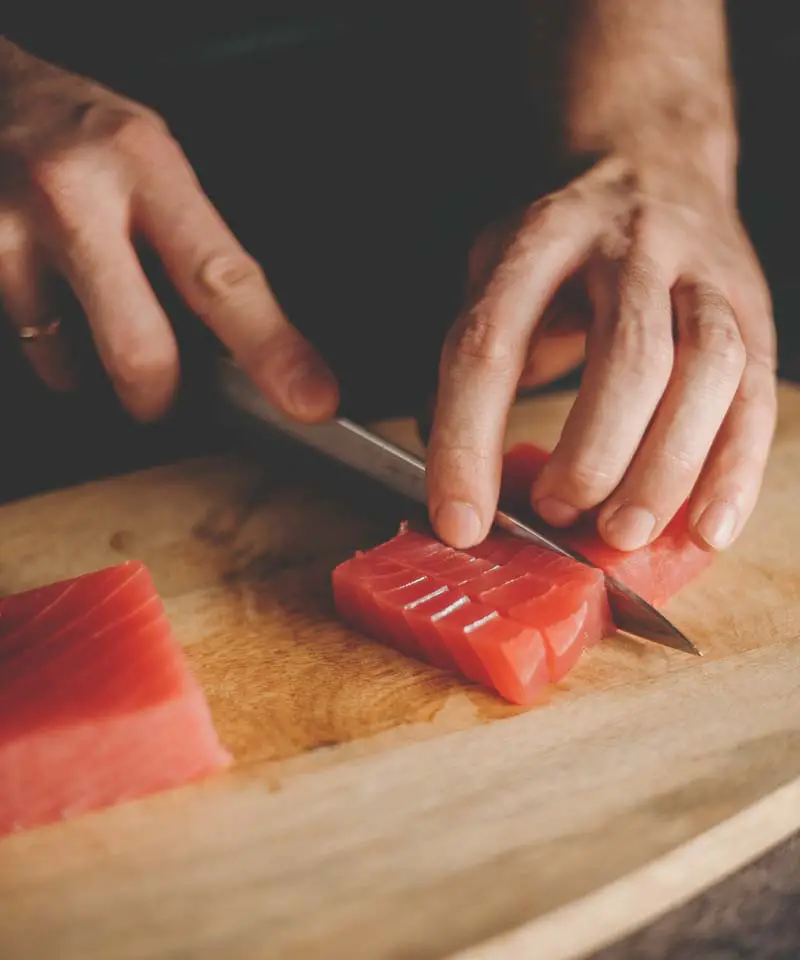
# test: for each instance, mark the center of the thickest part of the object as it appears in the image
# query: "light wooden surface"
(379, 808)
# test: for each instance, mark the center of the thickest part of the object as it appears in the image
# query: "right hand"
(84, 173)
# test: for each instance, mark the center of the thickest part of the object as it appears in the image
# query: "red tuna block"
(451, 567)
(572, 616)
(425, 554)
(97, 702)
(447, 628)
(354, 595)
(423, 620)
(370, 593)
(490, 649)
(521, 465)
(515, 657)
(407, 544)
(566, 601)
(656, 572)
(446, 602)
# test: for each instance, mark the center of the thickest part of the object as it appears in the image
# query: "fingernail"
(556, 512)
(459, 523)
(629, 527)
(717, 524)
(311, 388)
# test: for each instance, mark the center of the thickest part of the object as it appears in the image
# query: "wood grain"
(379, 808)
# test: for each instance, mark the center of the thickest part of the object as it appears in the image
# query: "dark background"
(355, 157)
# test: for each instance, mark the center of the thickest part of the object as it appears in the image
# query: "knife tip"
(687, 646)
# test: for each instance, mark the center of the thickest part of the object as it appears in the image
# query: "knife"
(359, 448)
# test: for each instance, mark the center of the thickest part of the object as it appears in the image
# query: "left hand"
(678, 398)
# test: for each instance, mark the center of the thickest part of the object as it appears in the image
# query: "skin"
(644, 251)
(85, 173)
(678, 399)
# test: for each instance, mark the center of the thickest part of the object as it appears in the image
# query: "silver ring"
(46, 329)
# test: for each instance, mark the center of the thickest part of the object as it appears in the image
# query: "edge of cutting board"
(610, 914)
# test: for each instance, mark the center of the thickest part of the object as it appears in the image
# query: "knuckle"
(722, 342)
(56, 174)
(230, 278)
(711, 329)
(544, 210)
(459, 453)
(646, 226)
(478, 342)
(135, 134)
(709, 301)
(552, 214)
(58, 168)
(155, 120)
(588, 484)
(456, 459)
(678, 464)
(641, 339)
(631, 228)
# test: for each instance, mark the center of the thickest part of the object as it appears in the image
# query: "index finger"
(482, 362)
(226, 288)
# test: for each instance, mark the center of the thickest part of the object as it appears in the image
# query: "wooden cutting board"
(379, 808)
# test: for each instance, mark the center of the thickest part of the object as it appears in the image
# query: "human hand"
(86, 173)
(678, 397)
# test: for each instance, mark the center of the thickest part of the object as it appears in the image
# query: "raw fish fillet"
(97, 703)
(656, 572)
(513, 626)
(506, 614)
(521, 466)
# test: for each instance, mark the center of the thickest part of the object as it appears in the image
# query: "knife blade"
(361, 449)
